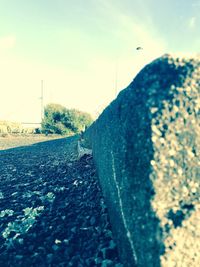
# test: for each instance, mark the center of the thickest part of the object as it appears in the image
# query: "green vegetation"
(60, 120)
(6, 212)
(21, 225)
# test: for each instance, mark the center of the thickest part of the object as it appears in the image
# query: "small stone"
(92, 220)
(73, 230)
(19, 257)
(107, 263)
(112, 244)
(49, 257)
(98, 260)
(35, 255)
(21, 241)
(30, 248)
(55, 247)
(108, 233)
(66, 241)
(57, 241)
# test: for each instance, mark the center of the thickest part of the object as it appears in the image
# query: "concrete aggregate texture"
(146, 146)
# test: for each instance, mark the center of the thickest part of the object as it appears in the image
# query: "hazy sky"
(84, 50)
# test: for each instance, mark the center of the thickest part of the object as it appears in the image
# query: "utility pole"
(42, 100)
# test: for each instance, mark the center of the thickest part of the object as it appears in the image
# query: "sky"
(84, 51)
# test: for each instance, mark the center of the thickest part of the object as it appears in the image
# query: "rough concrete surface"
(146, 146)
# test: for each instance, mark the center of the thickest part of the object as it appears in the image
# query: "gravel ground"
(16, 140)
(52, 212)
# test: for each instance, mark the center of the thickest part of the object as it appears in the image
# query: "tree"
(60, 120)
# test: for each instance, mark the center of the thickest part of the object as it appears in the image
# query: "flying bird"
(139, 48)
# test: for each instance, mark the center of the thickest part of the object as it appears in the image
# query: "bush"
(60, 120)
(8, 127)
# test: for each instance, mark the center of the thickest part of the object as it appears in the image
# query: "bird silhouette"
(139, 48)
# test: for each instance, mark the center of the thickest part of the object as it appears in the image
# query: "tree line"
(60, 120)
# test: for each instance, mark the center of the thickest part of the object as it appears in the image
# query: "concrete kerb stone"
(146, 146)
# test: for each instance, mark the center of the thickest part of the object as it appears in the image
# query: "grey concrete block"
(146, 146)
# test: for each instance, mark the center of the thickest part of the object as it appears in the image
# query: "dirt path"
(52, 212)
(16, 140)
